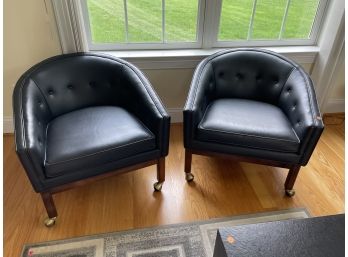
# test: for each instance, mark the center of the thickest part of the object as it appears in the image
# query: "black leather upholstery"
(93, 136)
(235, 122)
(250, 75)
(80, 115)
(252, 103)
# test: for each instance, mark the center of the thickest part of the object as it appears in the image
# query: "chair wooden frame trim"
(48, 199)
(290, 179)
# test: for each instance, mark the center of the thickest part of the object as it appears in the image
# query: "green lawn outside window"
(107, 20)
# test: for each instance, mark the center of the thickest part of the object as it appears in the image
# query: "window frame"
(208, 19)
(314, 34)
(144, 46)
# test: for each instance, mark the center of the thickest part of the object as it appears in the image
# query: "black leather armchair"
(252, 105)
(80, 116)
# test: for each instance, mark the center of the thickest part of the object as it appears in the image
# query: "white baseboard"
(334, 105)
(175, 115)
(8, 124)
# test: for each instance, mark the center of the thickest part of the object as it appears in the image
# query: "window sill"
(189, 58)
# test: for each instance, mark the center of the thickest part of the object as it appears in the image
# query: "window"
(168, 24)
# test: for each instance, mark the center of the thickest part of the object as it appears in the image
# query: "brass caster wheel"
(158, 186)
(49, 222)
(189, 177)
(290, 192)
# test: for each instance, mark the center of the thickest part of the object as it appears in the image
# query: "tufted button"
(50, 92)
(239, 76)
(221, 74)
(293, 107)
(70, 86)
(258, 78)
(211, 87)
(288, 91)
(40, 103)
(92, 84)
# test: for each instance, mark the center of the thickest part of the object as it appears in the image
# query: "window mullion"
(200, 22)
(163, 21)
(211, 23)
(284, 19)
(126, 19)
(251, 24)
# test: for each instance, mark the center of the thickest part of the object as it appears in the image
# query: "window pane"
(300, 18)
(144, 20)
(268, 19)
(181, 20)
(235, 19)
(106, 20)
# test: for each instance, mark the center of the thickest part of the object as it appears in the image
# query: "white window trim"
(70, 26)
(189, 58)
(84, 18)
(317, 23)
(205, 39)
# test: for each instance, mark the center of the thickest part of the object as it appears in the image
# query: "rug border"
(208, 221)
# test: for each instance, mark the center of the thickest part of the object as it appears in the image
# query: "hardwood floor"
(221, 188)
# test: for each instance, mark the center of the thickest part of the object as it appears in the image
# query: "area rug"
(180, 240)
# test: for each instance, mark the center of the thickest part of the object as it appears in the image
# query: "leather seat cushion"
(248, 123)
(92, 136)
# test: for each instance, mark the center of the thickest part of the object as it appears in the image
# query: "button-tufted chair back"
(263, 76)
(250, 75)
(74, 83)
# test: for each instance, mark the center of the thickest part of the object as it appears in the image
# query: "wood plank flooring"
(221, 188)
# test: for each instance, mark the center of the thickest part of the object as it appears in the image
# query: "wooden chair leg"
(161, 166)
(50, 208)
(188, 162)
(160, 174)
(290, 180)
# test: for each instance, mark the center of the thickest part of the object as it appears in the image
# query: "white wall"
(29, 36)
(326, 67)
(335, 101)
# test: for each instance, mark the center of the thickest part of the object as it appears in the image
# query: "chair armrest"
(139, 98)
(298, 101)
(31, 117)
(200, 95)
(310, 140)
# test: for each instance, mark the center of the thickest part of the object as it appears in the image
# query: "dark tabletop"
(317, 237)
